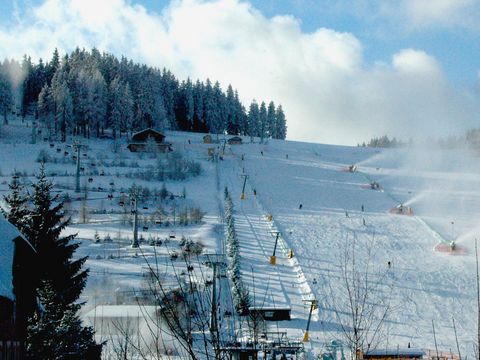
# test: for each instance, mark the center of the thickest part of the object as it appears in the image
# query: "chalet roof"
(403, 352)
(8, 235)
(140, 135)
(122, 311)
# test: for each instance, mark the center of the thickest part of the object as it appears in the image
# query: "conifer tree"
(281, 123)
(6, 97)
(262, 121)
(61, 281)
(17, 212)
(253, 120)
(271, 120)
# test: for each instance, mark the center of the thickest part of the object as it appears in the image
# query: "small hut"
(236, 140)
(207, 139)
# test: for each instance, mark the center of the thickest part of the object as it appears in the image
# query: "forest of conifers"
(89, 93)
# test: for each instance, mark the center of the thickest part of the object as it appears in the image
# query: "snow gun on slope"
(372, 186)
(402, 210)
(351, 168)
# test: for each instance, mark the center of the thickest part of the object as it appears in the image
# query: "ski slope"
(420, 284)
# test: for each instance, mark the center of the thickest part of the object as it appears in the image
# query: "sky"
(344, 71)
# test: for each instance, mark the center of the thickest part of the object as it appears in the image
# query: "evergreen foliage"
(88, 92)
(240, 293)
(17, 205)
(56, 332)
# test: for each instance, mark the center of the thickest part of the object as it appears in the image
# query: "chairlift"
(158, 222)
(90, 180)
(145, 208)
(58, 149)
(172, 235)
(65, 153)
(145, 228)
(110, 196)
(102, 173)
(52, 145)
(112, 183)
(121, 203)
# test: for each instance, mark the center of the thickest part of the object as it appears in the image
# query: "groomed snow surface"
(339, 215)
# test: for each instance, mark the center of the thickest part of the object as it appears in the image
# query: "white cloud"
(328, 92)
(443, 12)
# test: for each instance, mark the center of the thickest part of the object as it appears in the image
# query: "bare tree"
(363, 305)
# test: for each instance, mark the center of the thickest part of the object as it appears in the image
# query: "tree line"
(87, 92)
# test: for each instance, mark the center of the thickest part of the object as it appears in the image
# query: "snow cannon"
(372, 186)
(351, 168)
(451, 248)
(402, 210)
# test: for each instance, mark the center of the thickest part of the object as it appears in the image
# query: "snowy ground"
(420, 284)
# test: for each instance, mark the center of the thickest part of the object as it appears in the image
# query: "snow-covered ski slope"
(418, 283)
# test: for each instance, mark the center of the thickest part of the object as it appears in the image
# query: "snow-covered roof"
(395, 352)
(122, 311)
(8, 233)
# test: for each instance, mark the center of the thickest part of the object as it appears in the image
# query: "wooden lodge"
(142, 141)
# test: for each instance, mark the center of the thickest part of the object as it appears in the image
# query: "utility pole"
(34, 132)
(313, 306)
(213, 320)
(245, 177)
(135, 221)
(77, 147)
(215, 261)
(273, 258)
(223, 149)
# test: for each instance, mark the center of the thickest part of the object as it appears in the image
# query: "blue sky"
(361, 61)
(456, 47)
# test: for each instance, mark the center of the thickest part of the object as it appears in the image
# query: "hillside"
(331, 219)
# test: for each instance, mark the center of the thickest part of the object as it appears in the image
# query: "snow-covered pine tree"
(271, 120)
(6, 96)
(253, 120)
(281, 123)
(62, 100)
(46, 108)
(262, 121)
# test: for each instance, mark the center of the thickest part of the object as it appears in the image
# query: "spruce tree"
(17, 212)
(61, 281)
